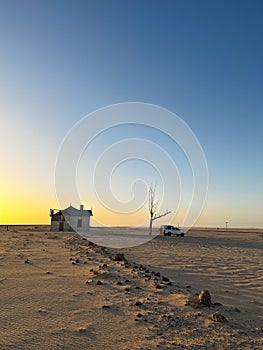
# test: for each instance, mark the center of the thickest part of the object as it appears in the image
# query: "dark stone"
(217, 317)
(98, 283)
(165, 279)
(204, 298)
(26, 261)
(119, 257)
(138, 303)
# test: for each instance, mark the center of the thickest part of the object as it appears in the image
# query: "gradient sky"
(60, 60)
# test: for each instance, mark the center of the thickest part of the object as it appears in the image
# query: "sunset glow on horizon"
(193, 60)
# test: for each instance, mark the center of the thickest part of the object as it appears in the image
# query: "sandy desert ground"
(59, 291)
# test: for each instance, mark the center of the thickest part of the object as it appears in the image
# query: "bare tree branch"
(160, 216)
(153, 205)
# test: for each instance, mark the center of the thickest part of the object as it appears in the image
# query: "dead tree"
(153, 204)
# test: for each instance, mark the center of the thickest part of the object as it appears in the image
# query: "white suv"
(169, 230)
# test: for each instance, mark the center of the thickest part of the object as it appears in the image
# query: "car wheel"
(182, 234)
(169, 234)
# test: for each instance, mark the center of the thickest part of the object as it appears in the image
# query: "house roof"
(76, 212)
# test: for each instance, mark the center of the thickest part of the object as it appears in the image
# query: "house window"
(79, 222)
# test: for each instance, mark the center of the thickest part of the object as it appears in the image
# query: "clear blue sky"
(61, 60)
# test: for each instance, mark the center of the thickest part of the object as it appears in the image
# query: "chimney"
(81, 207)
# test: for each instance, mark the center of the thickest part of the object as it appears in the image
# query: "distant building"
(70, 219)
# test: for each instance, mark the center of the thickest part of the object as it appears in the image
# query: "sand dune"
(60, 291)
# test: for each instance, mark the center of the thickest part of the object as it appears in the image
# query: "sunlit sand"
(58, 290)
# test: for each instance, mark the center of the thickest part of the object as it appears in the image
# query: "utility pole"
(226, 225)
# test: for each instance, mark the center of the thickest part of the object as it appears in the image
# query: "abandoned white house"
(70, 219)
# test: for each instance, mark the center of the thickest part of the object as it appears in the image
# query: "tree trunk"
(151, 226)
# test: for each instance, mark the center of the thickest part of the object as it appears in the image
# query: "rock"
(165, 279)
(98, 283)
(26, 261)
(217, 317)
(204, 298)
(138, 303)
(119, 257)
(82, 330)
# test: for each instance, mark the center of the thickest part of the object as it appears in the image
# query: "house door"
(61, 226)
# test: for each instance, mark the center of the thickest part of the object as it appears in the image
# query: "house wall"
(71, 224)
(73, 220)
(55, 226)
